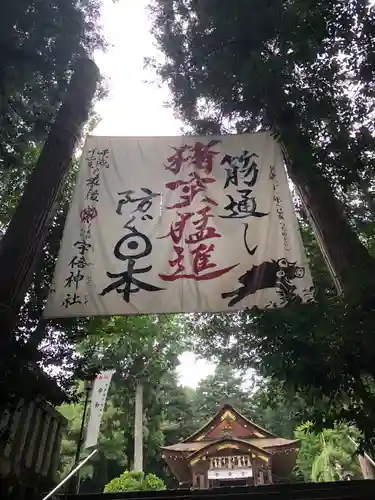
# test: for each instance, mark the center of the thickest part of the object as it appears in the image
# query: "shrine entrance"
(230, 450)
(230, 469)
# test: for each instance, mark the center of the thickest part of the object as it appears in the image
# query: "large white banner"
(179, 224)
(98, 399)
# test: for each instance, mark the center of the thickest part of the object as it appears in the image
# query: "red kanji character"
(202, 156)
(88, 214)
(199, 155)
(177, 160)
(179, 260)
(203, 232)
(200, 256)
(177, 228)
(190, 189)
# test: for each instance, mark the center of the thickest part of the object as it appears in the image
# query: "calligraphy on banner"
(98, 399)
(193, 234)
(179, 224)
(76, 276)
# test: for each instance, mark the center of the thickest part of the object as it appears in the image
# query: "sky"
(135, 107)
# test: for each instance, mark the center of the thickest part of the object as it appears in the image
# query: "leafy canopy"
(135, 481)
(39, 42)
(328, 455)
(306, 70)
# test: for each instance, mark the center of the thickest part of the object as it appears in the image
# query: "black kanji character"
(93, 181)
(71, 299)
(144, 202)
(82, 246)
(85, 234)
(93, 184)
(241, 166)
(102, 158)
(93, 195)
(74, 278)
(137, 246)
(91, 157)
(272, 175)
(244, 207)
(78, 261)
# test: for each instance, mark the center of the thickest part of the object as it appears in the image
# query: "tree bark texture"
(350, 260)
(363, 186)
(28, 228)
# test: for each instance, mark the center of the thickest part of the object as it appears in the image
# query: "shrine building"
(230, 450)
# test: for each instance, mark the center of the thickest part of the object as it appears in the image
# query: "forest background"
(306, 70)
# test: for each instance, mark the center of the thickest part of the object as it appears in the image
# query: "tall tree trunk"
(138, 428)
(28, 228)
(363, 186)
(41, 329)
(350, 260)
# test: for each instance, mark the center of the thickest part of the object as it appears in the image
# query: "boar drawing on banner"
(179, 224)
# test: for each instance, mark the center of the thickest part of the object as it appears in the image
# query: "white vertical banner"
(179, 224)
(98, 400)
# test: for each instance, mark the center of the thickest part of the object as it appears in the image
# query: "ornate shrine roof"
(229, 422)
(229, 429)
(258, 442)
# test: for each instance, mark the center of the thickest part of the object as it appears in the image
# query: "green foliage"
(139, 348)
(275, 410)
(135, 345)
(135, 481)
(53, 343)
(245, 65)
(322, 354)
(178, 410)
(305, 69)
(171, 414)
(223, 386)
(328, 455)
(39, 42)
(259, 399)
(112, 441)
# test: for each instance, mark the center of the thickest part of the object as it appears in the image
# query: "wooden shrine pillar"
(262, 473)
(255, 467)
(269, 474)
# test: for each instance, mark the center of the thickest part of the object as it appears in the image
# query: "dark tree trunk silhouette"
(28, 228)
